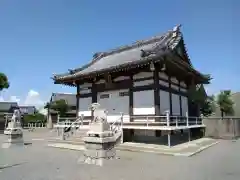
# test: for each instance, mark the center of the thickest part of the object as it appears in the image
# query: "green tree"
(208, 107)
(225, 103)
(47, 106)
(4, 83)
(34, 118)
(59, 105)
(198, 96)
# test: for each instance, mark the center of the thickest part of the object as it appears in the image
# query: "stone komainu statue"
(99, 115)
(16, 116)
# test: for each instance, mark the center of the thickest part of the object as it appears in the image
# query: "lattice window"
(125, 93)
(104, 96)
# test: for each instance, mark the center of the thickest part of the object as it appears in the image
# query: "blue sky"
(38, 38)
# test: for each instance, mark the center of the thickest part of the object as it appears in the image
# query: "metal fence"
(148, 120)
(34, 125)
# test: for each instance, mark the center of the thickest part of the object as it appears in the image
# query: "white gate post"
(187, 119)
(168, 117)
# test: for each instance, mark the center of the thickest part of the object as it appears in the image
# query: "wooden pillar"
(77, 99)
(170, 94)
(156, 93)
(180, 98)
(193, 107)
(94, 96)
(94, 93)
(131, 99)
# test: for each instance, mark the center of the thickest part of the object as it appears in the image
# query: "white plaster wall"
(120, 78)
(175, 105)
(183, 89)
(184, 105)
(143, 83)
(85, 91)
(84, 105)
(164, 101)
(163, 75)
(142, 75)
(115, 105)
(174, 80)
(85, 85)
(143, 102)
(183, 84)
(100, 81)
(173, 86)
(163, 83)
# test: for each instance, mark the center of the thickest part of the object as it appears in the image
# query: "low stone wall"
(224, 128)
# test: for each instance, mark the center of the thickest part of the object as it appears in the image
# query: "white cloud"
(11, 99)
(33, 99)
(1, 99)
(14, 99)
(42, 111)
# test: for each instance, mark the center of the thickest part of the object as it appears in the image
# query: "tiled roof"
(68, 112)
(69, 98)
(130, 54)
(27, 109)
(6, 106)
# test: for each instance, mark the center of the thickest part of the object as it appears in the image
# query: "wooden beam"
(131, 98)
(77, 99)
(156, 92)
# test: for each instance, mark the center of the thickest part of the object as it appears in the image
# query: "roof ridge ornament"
(71, 71)
(176, 30)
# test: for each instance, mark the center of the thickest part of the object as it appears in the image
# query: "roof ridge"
(133, 45)
(168, 39)
(99, 55)
(8, 102)
(64, 93)
(137, 43)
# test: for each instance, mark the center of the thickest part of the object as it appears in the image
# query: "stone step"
(185, 150)
(121, 147)
(124, 146)
(66, 142)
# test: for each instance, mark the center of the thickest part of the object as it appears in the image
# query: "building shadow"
(176, 138)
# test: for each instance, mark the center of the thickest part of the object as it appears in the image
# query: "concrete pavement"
(38, 162)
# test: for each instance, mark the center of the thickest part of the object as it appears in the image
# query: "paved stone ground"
(38, 162)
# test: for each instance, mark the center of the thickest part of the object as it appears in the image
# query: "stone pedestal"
(99, 144)
(99, 140)
(14, 133)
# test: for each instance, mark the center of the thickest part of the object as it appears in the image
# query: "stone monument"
(14, 129)
(100, 140)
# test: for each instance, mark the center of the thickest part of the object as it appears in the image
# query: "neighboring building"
(70, 100)
(6, 107)
(146, 78)
(27, 109)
